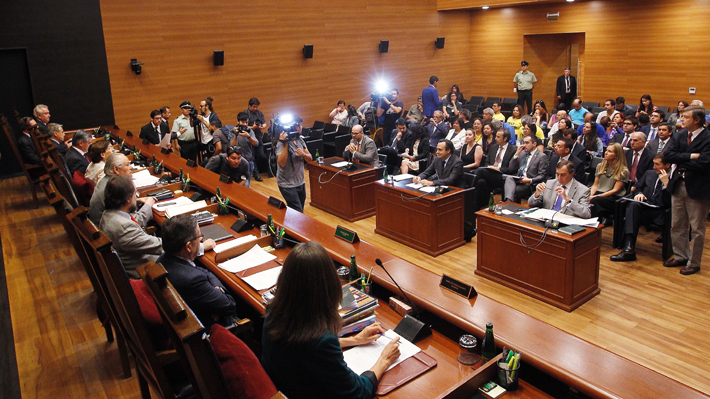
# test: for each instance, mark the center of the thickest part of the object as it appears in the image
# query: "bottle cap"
(489, 325)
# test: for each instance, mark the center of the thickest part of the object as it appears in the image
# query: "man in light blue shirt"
(577, 113)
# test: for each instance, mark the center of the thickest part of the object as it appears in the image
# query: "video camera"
(289, 124)
(193, 112)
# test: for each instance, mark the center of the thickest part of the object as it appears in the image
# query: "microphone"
(410, 328)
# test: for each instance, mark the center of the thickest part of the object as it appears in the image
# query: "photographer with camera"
(291, 156)
(257, 123)
(182, 128)
(207, 117)
(245, 139)
(389, 111)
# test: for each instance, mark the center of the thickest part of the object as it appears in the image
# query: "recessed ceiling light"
(486, 7)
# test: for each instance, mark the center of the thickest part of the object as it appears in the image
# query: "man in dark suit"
(486, 179)
(155, 129)
(27, 149)
(437, 128)
(446, 170)
(638, 158)
(566, 89)
(650, 190)
(651, 130)
(630, 125)
(206, 296)
(530, 166)
(689, 150)
(577, 148)
(56, 137)
(430, 98)
(76, 156)
(41, 114)
(563, 152)
(657, 146)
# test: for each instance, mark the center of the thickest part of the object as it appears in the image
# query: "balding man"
(437, 128)
(117, 164)
(361, 148)
(638, 159)
(41, 114)
(577, 112)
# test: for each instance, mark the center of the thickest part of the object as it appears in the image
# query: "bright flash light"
(286, 118)
(381, 86)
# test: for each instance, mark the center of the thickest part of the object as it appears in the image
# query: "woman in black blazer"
(416, 156)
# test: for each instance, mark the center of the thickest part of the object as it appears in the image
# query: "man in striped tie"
(563, 194)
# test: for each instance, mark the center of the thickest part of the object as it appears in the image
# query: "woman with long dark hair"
(301, 351)
(590, 141)
(418, 152)
(645, 105)
(352, 118)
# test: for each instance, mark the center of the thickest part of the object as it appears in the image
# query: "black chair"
(315, 147)
(506, 107)
(316, 132)
(494, 99)
(487, 104)
(597, 110)
(666, 110)
(633, 106)
(329, 127)
(329, 144)
(590, 104)
(475, 101)
(510, 100)
(340, 143)
(343, 130)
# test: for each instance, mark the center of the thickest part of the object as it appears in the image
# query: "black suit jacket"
(580, 153)
(646, 185)
(697, 171)
(645, 162)
(148, 133)
(561, 87)
(507, 155)
(452, 175)
(619, 138)
(41, 126)
(76, 161)
(196, 285)
(578, 168)
(61, 147)
(27, 150)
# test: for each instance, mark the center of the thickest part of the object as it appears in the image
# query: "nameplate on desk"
(128, 133)
(275, 202)
(457, 287)
(191, 163)
(225, 179)
(164, 151)
(145, 141)
(347, 235)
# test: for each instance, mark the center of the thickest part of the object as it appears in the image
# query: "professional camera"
(377, 96)
(289, 124)
(193, 112)
(242, 128)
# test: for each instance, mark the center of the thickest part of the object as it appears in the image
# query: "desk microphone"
(410, 328)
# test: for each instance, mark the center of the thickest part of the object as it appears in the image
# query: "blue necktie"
(558, 204)
(522, 166)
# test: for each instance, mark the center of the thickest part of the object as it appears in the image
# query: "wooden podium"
(432, 223)
(350, 195)
(562, 271)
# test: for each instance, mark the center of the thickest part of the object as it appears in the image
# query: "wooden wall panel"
(631, 48)
(262, 44)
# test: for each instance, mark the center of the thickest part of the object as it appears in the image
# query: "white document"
(253, 257)
(415, 185)
(428, 189)
(265, 279)
(233, 243)
(403, 176)
(165, 205)
(362, 358)
(180, 209)
(144, 178)
(340, 164)
(165, 142)
(547, 214)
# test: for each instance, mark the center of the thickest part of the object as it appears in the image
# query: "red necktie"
(690, 138)
(134, 219)
(634, 166)
(497, 161)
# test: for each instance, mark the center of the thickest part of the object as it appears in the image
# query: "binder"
(404, 372)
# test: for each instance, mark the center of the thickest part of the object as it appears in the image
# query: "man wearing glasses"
(202, 290)
(361, 148)
(24, 142)
(629, 126)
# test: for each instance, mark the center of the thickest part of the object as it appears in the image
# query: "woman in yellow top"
(478, 130)
(515, 120)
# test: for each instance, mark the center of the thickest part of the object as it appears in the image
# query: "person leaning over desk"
(563, 194)
(301, 351)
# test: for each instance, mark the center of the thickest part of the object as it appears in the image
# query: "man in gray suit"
(361, 148)
(117, 164)
(531, 167)
(564, 194)
(133, 245)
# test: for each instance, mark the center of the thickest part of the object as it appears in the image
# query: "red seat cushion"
(151, 316)
(83, 187)
(242, 370)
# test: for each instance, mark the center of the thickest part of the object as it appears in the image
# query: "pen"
(166, 203)
(370, 274)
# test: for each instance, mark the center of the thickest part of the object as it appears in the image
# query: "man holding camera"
(257, 123)
(182, 128)
(245, 139)
(291, 156)
(389, 111)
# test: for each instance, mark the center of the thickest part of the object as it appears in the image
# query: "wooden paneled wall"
(631, 48)
(262, 43)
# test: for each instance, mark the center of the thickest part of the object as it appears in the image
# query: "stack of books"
(203, 217)
(161, 194)
(357, 310)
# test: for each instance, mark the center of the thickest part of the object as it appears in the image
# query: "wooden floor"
(645, 312)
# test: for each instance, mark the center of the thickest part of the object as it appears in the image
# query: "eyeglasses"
(628, 124)
(201, 237)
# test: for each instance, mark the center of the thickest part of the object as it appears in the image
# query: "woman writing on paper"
(301, 350)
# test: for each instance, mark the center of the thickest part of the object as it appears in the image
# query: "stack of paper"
(144, 178)
(403, 176)
(547, 214)
(265, 279)
(233, 243)
(253, 257)
(340, 164)
(165, 205)
(415, 186)
(180, 209)
(362, 358)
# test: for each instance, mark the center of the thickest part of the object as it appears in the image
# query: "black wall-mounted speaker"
(307, 51)
(384, 46)
(218, 57)
(439, 42)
